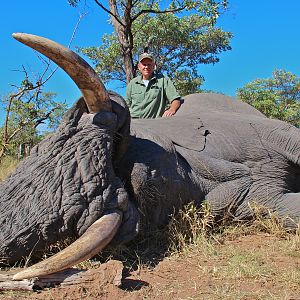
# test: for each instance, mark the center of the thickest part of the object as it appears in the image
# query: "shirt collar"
(154, 75)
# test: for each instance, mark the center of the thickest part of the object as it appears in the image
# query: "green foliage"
(107, 59)
(180, 44)
(187, 81)
(277, 97)
(26, 110)
(180, 34)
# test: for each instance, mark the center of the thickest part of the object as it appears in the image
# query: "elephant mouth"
(97, 99)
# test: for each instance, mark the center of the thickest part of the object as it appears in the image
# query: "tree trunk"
(122, 27)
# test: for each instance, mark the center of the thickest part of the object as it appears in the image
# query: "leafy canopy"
(27, 108)
(180, 34)
(277, 97)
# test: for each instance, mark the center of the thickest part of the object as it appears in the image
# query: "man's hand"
(173, 108)
(169, 113)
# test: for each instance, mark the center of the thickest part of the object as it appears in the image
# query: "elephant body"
(100, 163)
(215, 149)
(220, 150)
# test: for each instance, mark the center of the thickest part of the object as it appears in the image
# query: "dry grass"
(268, 221)
(257, 260)
(7, 166)
(260, 260)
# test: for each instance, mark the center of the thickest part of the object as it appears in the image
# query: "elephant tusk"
(97, 236)
(84, 76)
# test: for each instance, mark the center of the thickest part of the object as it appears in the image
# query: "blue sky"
(266, 37)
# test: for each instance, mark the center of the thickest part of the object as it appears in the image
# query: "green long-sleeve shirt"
(150, 101)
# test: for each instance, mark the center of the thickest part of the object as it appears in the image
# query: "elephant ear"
(189, 133)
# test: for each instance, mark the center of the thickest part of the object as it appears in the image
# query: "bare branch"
(15, 132)
(36, 123)
(45, 117)
(81, 16)
(40, 81)
(124, 5)
(23, 89)
(154, 11)
(114, 15)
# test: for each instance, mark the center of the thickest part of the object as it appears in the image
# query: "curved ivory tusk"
(97, 236)
(84, 76)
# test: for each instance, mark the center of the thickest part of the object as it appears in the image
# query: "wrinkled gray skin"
(214, 148)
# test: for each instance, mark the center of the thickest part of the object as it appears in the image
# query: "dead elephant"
(103, 177)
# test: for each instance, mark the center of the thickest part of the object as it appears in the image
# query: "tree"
(181, 35)
(277, 97)
(27, 108)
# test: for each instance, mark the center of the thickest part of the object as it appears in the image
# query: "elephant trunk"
(84, 76)
(97, 236)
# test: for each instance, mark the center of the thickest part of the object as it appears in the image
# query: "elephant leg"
(227, 199)
(231, 200)
(289, 206)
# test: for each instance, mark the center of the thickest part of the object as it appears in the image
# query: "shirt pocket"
(136, 97)
(155, 92)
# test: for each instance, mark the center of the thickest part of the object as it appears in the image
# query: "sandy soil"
(259, 266)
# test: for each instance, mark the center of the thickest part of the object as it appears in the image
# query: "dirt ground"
(256, 266)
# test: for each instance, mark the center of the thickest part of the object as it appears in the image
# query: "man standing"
(151, 95)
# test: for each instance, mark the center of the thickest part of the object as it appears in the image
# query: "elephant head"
(68, 186)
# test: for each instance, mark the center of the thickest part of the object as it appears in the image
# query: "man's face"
(146, 67)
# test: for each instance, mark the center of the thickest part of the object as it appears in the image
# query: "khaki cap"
(146, 55)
